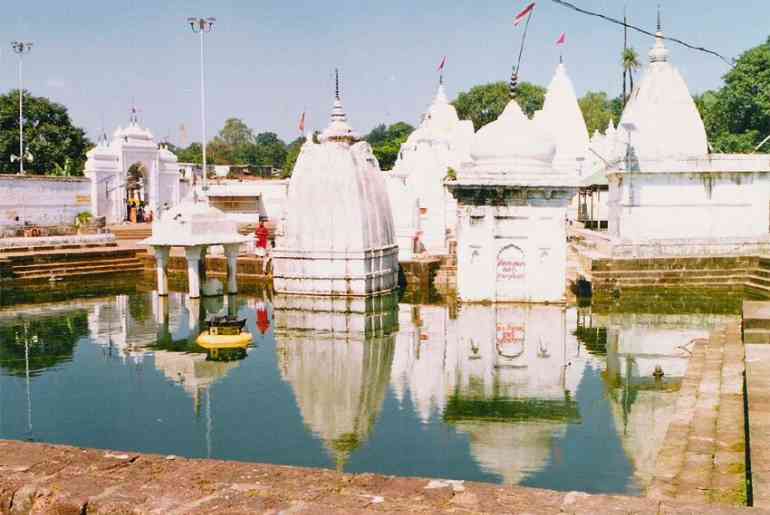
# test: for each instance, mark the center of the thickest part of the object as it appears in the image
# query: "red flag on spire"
(524, 14)
(302, 123)
(562, 39)
(441, 66)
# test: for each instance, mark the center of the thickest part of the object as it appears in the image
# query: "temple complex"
(345, 246)
(424, 211)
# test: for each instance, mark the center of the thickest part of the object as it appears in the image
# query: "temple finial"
(660, 26)
(337, 83)
(514, 84)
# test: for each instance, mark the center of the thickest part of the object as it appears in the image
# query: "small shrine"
(194, 226)
(511, 229)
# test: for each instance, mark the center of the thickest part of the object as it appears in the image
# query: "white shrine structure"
(668, 196)
(425, 213)
(131, 166)
(339, 237)
(194, 226)
(511, 234)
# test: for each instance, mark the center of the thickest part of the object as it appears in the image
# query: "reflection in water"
(336, 354)
(538, 395)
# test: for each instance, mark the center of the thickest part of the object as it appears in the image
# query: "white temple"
(425, 212)
(339, 237)
(668, 196)
(562, 118)
(132, 163)
(511, 234)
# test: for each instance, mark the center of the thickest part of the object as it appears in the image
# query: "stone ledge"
(41, 478)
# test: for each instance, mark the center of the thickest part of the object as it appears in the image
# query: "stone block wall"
(43, 200)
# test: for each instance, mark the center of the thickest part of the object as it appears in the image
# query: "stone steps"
(83, 272)
(32, 268)
(73, 264)
(131, 232)
(124, 265)
(703, 455)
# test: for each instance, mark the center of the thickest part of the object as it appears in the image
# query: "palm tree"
(630, 61)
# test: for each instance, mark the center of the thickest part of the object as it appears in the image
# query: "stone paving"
(41, 478)
(758, 385)
(703, 456)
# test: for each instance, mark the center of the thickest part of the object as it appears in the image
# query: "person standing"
(262, 234)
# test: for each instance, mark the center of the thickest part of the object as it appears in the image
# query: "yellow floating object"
(222, 341)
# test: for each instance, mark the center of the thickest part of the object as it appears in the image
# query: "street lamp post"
(202, 26)
(21, 48)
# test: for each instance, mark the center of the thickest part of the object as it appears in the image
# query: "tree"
(630, 62)
(737, 117)
(236, 133)
(49, 135)
(192, 154)
(269, 150)
(386, 142)
(483, 104)
(597, 111)
(292, 153)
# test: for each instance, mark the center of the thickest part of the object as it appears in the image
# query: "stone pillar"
(231, 251)
(161, 261)
(193, 316)
(193, 271)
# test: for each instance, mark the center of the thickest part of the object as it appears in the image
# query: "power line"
(569, 5)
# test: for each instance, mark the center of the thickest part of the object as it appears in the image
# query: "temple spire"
(660, 29)
(659, 52)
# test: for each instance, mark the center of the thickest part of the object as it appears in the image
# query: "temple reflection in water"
(536, 395)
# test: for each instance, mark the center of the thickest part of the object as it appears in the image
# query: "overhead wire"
(569, 5)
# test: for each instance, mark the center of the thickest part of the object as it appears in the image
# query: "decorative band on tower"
(513, 86)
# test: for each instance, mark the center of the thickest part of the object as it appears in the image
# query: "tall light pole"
(202, 26)
(21, 48)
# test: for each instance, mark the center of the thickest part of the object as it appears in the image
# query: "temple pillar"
(193, 255)
(161, 261)
(231, 251)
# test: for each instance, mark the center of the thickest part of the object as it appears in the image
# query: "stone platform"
(40, 478)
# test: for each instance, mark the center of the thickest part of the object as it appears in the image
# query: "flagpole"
(523, 39)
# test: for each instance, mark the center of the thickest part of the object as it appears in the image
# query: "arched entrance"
(511, 277)
(136, 193)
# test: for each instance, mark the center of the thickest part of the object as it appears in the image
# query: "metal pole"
(21, 118)
(203, 114)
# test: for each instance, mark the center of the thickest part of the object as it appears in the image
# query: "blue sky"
(268, 60)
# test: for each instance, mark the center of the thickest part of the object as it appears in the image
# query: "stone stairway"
(758, 277)
(131, 232)
(702, 459)
(68, 264)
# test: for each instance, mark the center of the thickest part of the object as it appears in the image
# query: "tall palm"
(630, 61)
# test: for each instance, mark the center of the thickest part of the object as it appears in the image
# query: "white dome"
(337, 200)
(562, 118)
(514, 137)
(665, 120)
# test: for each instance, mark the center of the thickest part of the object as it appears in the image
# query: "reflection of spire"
(339, 385)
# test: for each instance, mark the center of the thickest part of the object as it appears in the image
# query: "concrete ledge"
(40, 478)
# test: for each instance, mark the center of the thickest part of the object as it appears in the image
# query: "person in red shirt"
(262, 235)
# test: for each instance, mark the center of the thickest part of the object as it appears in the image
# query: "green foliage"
(483, 104)
(737, 116)
(630, 62)
(597, 111)
(386, 142)
(68, 170)
(83, 218)
(192, 154)
(48, 135)
(451, 174)
(292, 153)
